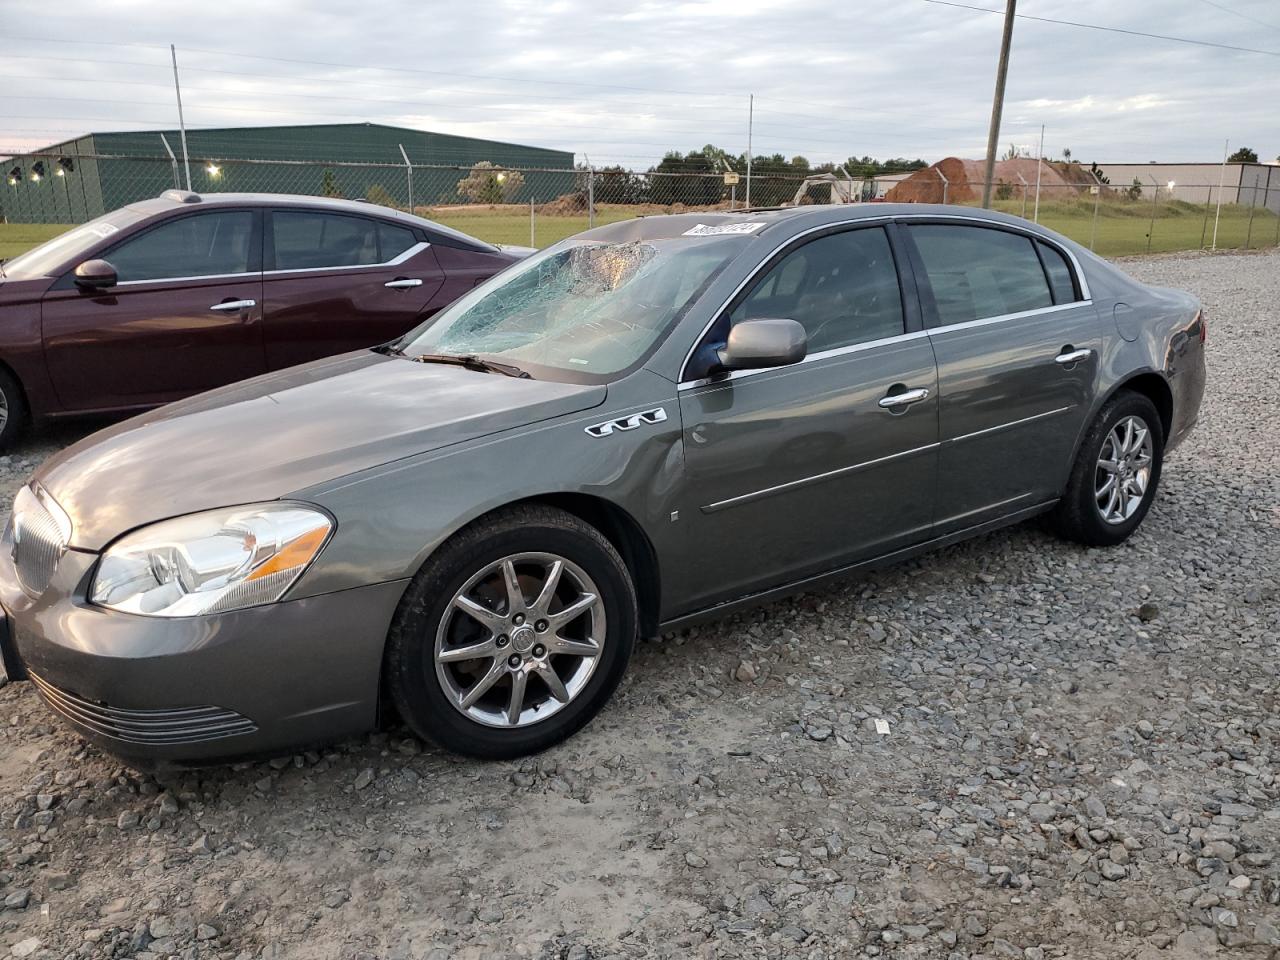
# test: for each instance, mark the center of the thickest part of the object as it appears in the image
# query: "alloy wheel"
(520, 640)
(1123, 473)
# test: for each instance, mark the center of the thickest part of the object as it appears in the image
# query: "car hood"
(268, 437)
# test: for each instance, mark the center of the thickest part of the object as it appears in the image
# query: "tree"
(1066, 154)
(1243, 155)
(487, 183)
(691, 180)
(1013, 153)
(618, 185)
(329, 184)
(380, 195)
(1134, 190)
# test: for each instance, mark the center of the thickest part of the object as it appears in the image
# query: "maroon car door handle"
(233, 306)
(403, 283)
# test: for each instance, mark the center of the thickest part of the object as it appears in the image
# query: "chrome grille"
(39, 540)
(176, 725)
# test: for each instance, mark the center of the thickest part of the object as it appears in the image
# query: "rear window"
(311, 241)
(978, 272)
(1060, 281)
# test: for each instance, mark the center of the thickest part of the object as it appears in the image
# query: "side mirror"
(95, 275)
(754, 344)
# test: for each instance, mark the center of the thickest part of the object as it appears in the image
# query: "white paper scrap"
(882, 726)
(721, 229)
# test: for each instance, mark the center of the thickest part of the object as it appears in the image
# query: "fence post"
(1039, 164)
(1155, 200)
(1204, 227)
(1253, 206)
(532, 229)
(1024, 195)
(591, 196)
(1097, 199)
(177, 183)
(408, 173)
(945, 184)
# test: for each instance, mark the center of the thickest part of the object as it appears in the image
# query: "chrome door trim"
(413, 251)
(816, 478)
(1012, 423)
(811, 358)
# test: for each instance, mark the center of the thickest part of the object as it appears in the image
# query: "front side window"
(586, 311)
(203, 245)
(842, 288)
(68, 249)
(978, 272)
(310, 241)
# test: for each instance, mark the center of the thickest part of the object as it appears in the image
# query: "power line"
(1242, 16)
(1095, 26)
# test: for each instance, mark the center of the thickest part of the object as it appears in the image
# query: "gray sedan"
(652, 422)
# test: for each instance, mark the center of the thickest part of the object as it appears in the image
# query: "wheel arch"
(1155, 388)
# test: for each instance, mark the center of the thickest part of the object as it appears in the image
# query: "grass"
(1121, 230)
(16, 238)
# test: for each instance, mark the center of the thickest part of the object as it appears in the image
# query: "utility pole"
(997, 102)
(182, 126)
(1039, 164)
(751, 113)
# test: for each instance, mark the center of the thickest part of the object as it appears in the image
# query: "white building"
(1248, 184)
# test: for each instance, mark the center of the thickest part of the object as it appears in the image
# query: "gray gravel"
(1012, 748)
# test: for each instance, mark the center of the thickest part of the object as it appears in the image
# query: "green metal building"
(80, 179)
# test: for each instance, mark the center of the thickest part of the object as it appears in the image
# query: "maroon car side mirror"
(95, 275)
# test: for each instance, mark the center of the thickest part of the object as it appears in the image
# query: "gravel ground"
(1011, 748)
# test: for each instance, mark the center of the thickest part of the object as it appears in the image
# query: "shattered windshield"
(593, 309)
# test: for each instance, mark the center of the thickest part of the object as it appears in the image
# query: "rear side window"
(203, 245)
(1059, 272)
(976, 272)
(309, 241)
(842, 288)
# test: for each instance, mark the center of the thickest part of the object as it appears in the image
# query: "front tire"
(13, 409)
(1116, 473)
(513, 636)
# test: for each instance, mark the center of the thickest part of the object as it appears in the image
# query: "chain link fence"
(538, 206)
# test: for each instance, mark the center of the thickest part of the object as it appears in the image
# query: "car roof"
(185, 199)
(785, 220)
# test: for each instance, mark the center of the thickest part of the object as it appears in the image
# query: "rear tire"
(13, 409)
(1116, 474)
(513, 636)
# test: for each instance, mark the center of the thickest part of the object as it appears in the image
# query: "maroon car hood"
(268, 437)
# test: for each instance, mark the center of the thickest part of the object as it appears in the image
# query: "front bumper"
(200, 689)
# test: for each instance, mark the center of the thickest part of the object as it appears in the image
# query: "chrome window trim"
(811, 358)
(815, 478)
(879, 220)
(1005, 317)
(208, 276)
(413, 251)
(1086, 298)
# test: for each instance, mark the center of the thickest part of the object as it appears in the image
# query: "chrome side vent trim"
(657, 415)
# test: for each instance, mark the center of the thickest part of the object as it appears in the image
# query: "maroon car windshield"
(67, 248)
(585, 311)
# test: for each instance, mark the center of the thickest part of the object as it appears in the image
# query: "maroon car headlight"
(211, 562)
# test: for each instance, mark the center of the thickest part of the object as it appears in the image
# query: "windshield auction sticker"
(720, 229)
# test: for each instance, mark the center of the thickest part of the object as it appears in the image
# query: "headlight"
(210, 562)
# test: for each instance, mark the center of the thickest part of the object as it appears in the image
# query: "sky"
(624, 82)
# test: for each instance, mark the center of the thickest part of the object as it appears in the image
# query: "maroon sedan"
(168, 297)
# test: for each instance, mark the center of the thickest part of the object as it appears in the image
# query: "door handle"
(1073, 356)
(403, 283)
(233, 306)
(904, 399)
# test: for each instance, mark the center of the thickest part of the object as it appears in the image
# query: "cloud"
(622, 83)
